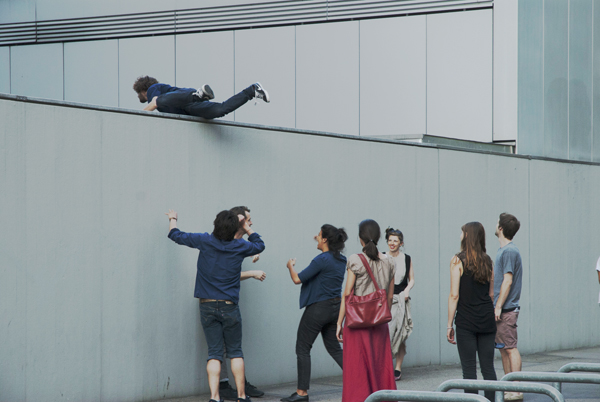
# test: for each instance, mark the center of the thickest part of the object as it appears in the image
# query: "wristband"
(172, 218)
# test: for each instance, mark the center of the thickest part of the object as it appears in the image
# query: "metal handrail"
(505, 386)
(423, 396)
(567, 368)
(552, 377)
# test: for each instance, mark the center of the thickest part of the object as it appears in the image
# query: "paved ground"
(428, 378)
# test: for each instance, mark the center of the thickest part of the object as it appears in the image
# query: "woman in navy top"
(321, 295)
(471, 293)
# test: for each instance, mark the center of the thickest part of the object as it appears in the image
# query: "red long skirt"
(368, 365)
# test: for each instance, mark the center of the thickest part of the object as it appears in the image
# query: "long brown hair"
(473, 247)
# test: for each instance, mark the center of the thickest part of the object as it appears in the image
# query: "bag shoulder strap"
(368, 267)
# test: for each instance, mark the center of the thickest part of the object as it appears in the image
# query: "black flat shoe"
(295, 398)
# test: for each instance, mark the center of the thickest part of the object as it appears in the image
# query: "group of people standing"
(367, 351)
(483, 302)
(366, 359)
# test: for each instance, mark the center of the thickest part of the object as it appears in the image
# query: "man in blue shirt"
(218, 287)
(168, 99)
(508, 277)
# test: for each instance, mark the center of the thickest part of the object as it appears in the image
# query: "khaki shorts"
(506, 332)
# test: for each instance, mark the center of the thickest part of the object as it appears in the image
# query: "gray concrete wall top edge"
(20, 98)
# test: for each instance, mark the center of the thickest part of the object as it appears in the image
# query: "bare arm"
(455, 274)
(390, 293)
(293, 273)
(152, 105)
(411, 281)
(350, 281)
(258, 275)
(504, 289)
(598, 276)
(172, 219)
(491, 291)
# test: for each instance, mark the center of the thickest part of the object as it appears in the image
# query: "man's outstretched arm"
(152, 105)
(258, 275)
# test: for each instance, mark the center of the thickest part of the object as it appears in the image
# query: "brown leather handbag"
(369, 310)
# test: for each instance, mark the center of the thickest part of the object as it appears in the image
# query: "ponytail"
(369, 233)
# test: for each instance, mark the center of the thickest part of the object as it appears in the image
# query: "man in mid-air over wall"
(168, 99)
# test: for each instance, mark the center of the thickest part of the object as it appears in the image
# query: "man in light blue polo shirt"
(508, 278)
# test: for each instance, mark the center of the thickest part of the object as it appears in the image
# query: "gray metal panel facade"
(37, 71)
(459, 75)
(556, 86)
(144, 56)
(5, 70)
(97, 302)
(531, 78)
(395, 48)
(557, 76)
(92, 73)
(206, 59)
(269, 57)
(368, 77)
(327, 77)
(580, 79)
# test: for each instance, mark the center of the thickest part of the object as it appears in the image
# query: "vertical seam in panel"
(175, 59)
(529, 237)
(569, 79)
(63, 70)
(119, 72)
(592, 97)
(359, 78)
(10, 69)
(295, 77)
(233, 70)
(543, 79)
(426, 73)
(493, 73)
(439, 249)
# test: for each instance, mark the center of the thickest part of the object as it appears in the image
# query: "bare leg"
(400, 356)
(515, 359)
(213, 369)
(237, 369)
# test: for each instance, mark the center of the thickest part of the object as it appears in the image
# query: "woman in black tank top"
(470, 305)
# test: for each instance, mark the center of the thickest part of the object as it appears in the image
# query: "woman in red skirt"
(368, 365)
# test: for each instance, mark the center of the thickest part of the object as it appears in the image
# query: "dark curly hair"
(142, 83)
(226, 225)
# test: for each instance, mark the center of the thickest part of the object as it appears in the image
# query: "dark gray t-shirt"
(508, 260)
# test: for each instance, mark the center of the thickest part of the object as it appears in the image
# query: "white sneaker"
(260, 93)
(513, 396)
(205, 92)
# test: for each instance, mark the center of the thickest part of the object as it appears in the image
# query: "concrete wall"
(425, 74)
(96, 303)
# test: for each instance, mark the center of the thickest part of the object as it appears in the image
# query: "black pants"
(320, 317)
(471, 343)
(184, 102)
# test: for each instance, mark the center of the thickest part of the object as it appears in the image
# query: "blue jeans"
(222, 325)
(185, 102)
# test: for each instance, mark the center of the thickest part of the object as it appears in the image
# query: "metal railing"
(504, 386)
(567, 368)
(552, 377)
(423, 396)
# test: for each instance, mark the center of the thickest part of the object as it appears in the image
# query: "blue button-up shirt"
(219, 262)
